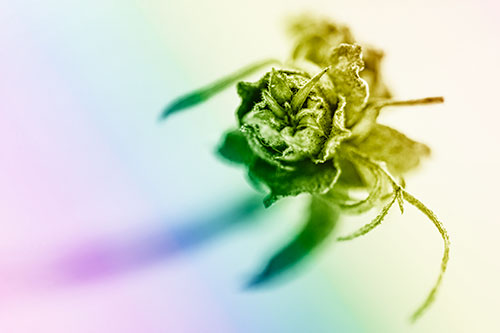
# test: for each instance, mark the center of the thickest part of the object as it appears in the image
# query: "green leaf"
(279, 88)
(338, 133)
(399, 152)
(281, 181)
(350, 175)
(372, 73)
(301, 95)
(273, 105)
(374, 223)
(322, 220)
(250, 93)
(315, 37)
(368, 118)
(369, 179)
(340, 195)
(234, 147)
(346, 64)
(205, 93)
(266, 148)
(305, 177)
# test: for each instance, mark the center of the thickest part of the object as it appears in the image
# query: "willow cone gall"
(309, 125)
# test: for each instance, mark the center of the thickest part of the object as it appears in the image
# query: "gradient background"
(108, 217)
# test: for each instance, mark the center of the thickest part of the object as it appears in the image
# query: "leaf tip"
(164, 114)
(255, 282)
(269, 200)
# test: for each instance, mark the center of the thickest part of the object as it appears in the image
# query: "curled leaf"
(306, 177)
(203, 94)
(362, 128)
(338, 133)
(321, 222)
(312, 128)
(399, 152)
(370, 226)
(346, 65)
(345, 202)
(234, 148)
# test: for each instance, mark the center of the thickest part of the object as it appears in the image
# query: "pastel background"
(113, 222)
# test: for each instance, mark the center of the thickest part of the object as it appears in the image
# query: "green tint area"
(311, 127)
